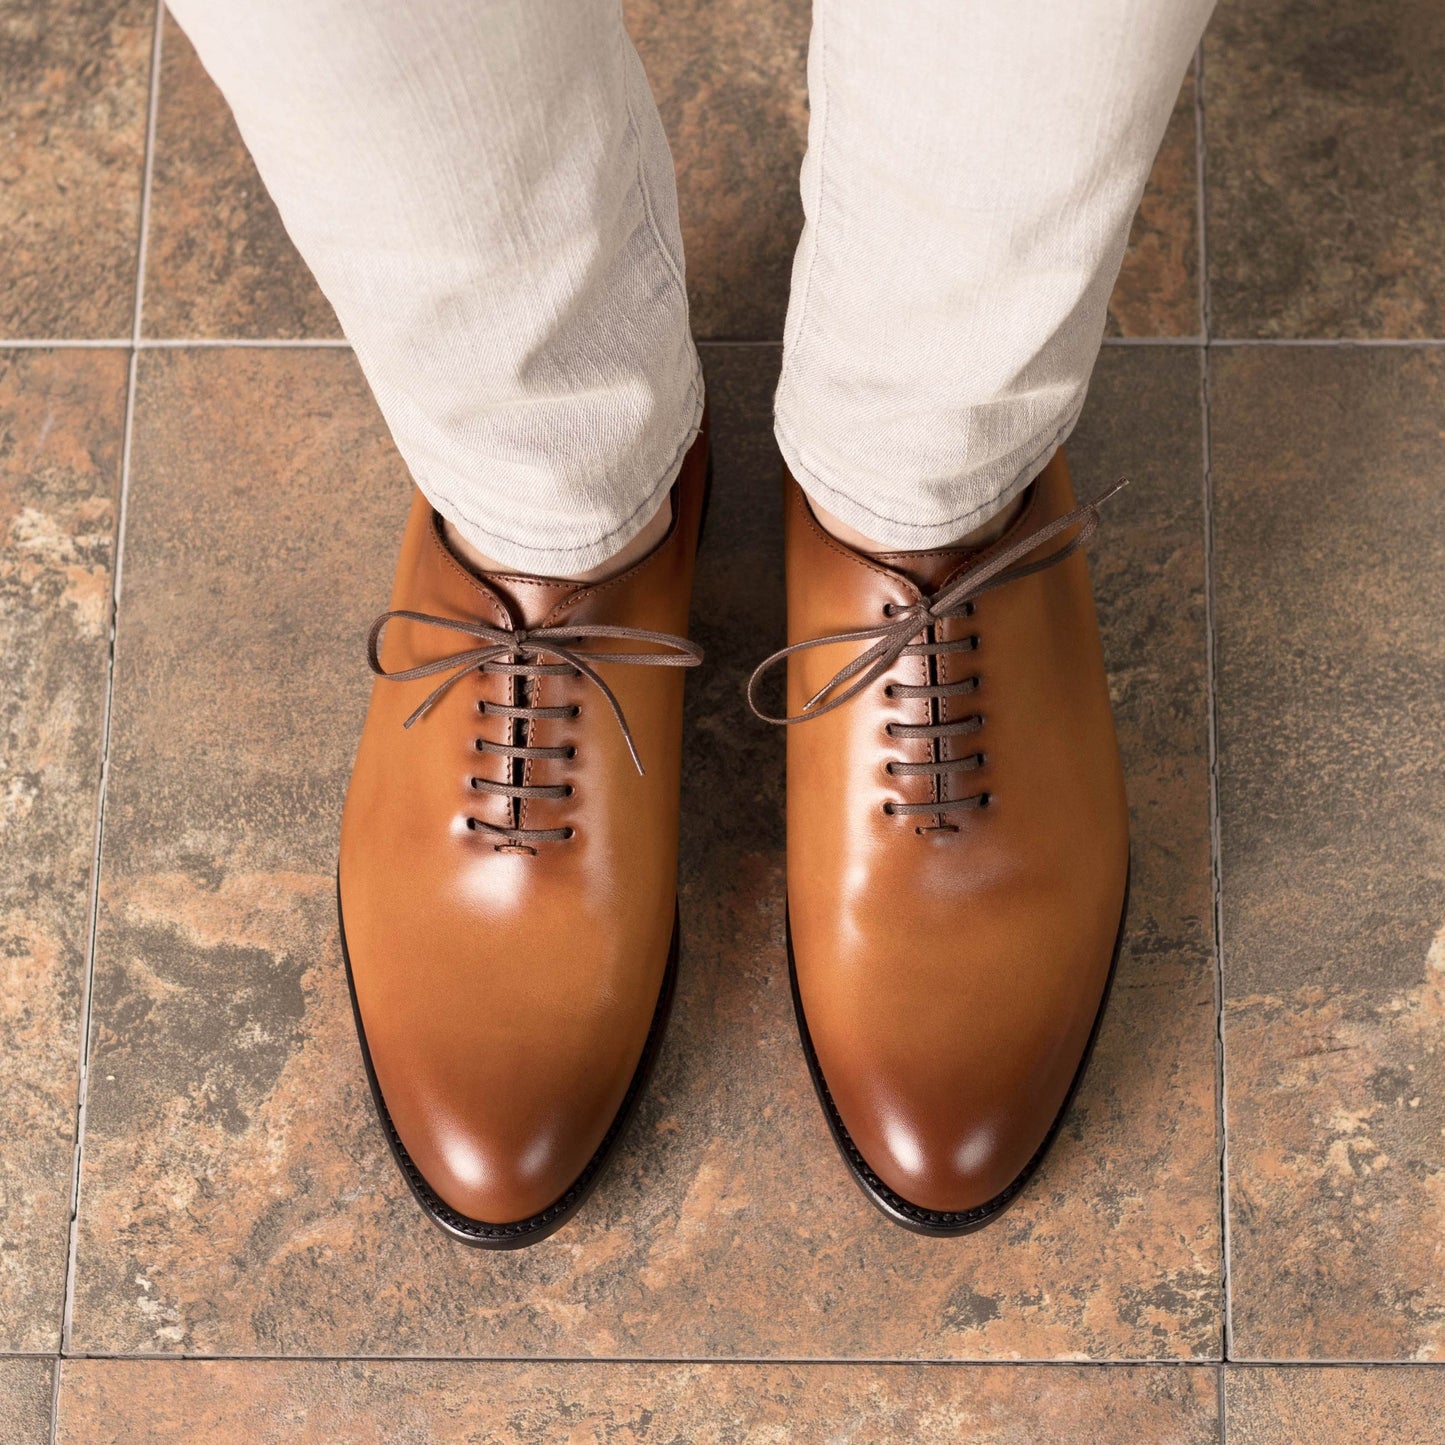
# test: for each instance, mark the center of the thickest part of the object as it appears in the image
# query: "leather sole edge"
(480, 1234)
(943, 1224)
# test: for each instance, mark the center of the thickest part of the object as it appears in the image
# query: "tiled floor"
(1273, 593)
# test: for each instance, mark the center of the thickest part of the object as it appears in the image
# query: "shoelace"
(517, 652)
(894, 639)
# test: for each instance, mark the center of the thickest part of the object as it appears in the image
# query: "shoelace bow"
(517, 652)
(894, 639)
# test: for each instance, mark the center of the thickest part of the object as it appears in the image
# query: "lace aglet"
(1113, 491)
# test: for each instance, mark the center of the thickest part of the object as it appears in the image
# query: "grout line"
(603, 1361)
(1201, 198)
(87, 994)
(173, 343)
(1221, 1403)
(93, 904)
(1224, 1367)
(58, 343)
(87, 997)
(1264, 1363)
(148, 177)
(279, 343)
(1360, 343)
(1154, 341)
(737, 341)
(1211, 674)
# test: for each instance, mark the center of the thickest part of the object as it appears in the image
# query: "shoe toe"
(946, 1161)
(949, 1110)
(495, 1171)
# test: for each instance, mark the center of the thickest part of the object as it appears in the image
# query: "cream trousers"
(485, 194)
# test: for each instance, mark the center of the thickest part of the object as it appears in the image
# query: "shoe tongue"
(530, 599)
(929, 570)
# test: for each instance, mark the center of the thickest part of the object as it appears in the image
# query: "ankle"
(629, 554)
(980, 536)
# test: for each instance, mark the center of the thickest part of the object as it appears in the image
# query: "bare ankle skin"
(652, 533)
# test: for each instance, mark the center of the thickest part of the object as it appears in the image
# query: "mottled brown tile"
(106, 1401)
(1325, 131)
(25, 1390)
(1350, 1406)
(730, 77)
(1330, 595)
(61, 415)
(74, 87)
(218, 260)
(1157, 293)
(730, 80)
(237, 1195)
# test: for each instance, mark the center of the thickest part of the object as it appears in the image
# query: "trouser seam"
(645, 191)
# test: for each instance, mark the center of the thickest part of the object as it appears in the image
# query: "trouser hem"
(565, 559)
(921, 533)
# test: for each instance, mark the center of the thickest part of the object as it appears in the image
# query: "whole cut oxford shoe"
(507, 878)
(958, 849)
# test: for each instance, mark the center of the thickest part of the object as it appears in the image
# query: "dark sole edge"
(939, 1223)
(476, 1232)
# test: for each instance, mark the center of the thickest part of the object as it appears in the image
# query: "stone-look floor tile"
(730, 77)
(730, 80)
(393, 1403)
(25, 1391)
(61, 417)
(237, 1195)
(1157, 293)
(1330, 593)
(218, 260)
(74, 89)
(1325, 131)
(1349, 1406)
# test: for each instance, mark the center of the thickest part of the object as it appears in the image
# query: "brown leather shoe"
(508, 872)
(958, 850)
